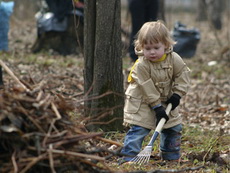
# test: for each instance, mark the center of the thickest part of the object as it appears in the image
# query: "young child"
(157, 78)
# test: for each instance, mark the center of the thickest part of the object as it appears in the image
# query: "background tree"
(211, 10)
(201, 11)
(103, 64)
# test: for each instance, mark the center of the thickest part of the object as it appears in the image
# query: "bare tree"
(103, 64)
(211, 10)
(201, 11)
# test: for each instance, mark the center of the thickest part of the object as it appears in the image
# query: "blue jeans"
(169, 142)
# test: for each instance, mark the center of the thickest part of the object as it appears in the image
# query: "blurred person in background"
(6, 9)
(141, 11)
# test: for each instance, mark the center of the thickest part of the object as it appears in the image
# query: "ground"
(205, 142)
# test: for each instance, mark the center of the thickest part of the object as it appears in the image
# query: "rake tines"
(144, 156)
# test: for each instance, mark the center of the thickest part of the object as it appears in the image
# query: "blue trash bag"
(187, 40)
(6, 9)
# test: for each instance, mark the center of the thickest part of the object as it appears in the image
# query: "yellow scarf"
(130, 79)
(161, 59)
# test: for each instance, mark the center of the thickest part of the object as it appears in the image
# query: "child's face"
(153, 51)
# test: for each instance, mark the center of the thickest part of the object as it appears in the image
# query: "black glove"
(160, 113)
(175, 100)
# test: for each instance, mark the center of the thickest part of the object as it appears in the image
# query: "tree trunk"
(201, 11)
(211, 10)
(103, 64)
(215, 9)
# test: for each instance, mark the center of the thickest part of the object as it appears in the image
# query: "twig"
(61, 134)
(13, 76)
(78, 94)
(76, 25)
(109, 141)
(33, 162)
(22, 98)
(48, 134)
(14, 162)
(101, 138)
(39, 96)
(210, 148)
(103, 123)
(54, 108)
(58, 117)
(88, 156)
(51, 158)
(96, 97)
(76, 138)
(98, 117)
(90, 89)
(42, 102)
(39, 87)
(23, 110)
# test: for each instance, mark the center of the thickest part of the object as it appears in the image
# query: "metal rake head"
(143, 157)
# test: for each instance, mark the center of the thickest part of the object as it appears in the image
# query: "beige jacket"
(153, 83)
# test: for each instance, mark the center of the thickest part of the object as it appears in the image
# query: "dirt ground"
(207, 104)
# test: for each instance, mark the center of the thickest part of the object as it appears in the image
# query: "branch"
(88, 156)
(13, 76)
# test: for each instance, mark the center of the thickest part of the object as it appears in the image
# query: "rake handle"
(160, 126)
(163, 120)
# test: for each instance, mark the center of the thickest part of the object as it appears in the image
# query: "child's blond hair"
(153, 32)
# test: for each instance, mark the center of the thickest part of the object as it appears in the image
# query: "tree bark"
(103, 64)
(215, 9)
(211, 10)
(201, 11)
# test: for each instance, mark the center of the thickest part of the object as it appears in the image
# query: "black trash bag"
(187, 40)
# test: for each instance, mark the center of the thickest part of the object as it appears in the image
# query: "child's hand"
(160, 113)
(175, 100)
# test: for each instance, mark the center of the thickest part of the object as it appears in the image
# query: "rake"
(144, 156)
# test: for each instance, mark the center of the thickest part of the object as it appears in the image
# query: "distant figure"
(141, 11)
(6, 9)
(60, 8)
(56, 27)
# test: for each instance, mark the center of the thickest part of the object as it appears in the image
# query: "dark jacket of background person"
(60, 8)
(141, 11)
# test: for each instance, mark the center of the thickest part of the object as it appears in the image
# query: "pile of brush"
(37, 134)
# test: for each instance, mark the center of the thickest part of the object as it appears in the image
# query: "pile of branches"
(37, 134)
